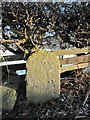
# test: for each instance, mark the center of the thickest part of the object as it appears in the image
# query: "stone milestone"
(43, 77)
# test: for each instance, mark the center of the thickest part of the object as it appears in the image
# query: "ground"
(73, 103)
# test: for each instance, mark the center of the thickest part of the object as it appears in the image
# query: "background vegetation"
(29, 23)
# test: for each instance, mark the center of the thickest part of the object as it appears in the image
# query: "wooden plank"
(75, 60)
(12, 62)
(11, 57)
(74, 67)
(71, 51)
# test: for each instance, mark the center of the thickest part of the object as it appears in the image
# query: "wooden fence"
(82, 60)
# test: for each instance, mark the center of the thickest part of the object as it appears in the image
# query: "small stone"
(8, 97)
(43, 77)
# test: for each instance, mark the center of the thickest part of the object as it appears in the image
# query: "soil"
(73, 102)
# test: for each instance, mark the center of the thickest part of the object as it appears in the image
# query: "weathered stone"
(43, 77)
(8, 97)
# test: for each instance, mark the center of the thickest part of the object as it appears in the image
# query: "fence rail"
(78, 62)
(74, 67)
(75, 60)
(72, 51)
(66, 64)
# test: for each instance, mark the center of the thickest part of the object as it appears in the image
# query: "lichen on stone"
(43, 77)
(8, 97)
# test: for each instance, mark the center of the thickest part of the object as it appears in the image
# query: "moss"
(8, 96)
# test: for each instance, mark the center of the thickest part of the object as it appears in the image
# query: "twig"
(8, 41)
(24, 50)
(86, 97)
(13, 41)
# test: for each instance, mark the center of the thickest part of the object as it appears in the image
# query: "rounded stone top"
(43, 77)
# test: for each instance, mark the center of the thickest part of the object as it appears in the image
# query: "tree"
(28, 23)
